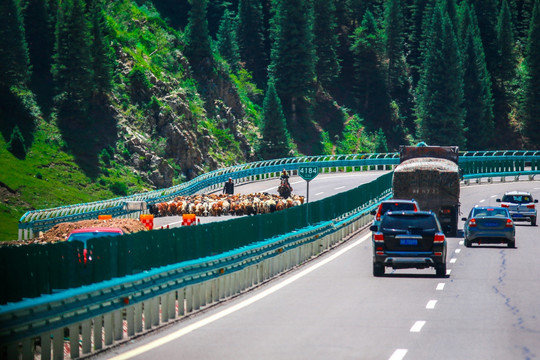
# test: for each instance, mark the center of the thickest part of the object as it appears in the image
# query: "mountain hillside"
(103, 98)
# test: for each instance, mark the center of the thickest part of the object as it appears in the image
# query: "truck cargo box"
(434, 184)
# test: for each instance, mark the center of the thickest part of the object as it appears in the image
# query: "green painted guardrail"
(474, 162)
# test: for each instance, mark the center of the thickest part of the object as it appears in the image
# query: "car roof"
(398, 200)
(490, 208)
(409, 212)
(515, 192)
(98, 229)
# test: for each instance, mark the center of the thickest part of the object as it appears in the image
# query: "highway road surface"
(487, 307)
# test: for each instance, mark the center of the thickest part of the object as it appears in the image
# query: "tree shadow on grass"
(86, 135)
(17, 122)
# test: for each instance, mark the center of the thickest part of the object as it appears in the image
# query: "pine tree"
(478, 98)
(507, 56)
(486, 12)
(531, 103)
(440, 95)
(40, 39)
(414, 54)
(399, 86)
(197, 35)
(227, 43)
(72, 67)
(275, 137)
(370, 91)
(102, 56)
(326, 41)
(14, 58)
(251, 39)
(293, 55)
(503, 74)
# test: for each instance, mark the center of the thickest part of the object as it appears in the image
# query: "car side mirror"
(536, 200)
(498, 200)
(373, 212)
(464, 219)
(373, 228)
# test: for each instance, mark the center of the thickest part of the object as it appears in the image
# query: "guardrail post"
(109, 330)
(118, 325)
(45, 346)
(130, 319)
(164, 308)
(138, 320)
(58, 344)
(155, 311)
(28, 349)
(86, 331)
(98, 331)
(74, 341)
(147, 315)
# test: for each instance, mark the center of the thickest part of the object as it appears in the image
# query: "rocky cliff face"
(172, 137)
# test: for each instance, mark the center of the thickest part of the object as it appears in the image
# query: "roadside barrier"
(147, 220)
(97, 316)
(189, 219)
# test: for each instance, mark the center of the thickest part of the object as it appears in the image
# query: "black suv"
(409, 239)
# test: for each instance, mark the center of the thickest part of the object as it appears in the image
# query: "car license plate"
(408, 242)
(517, 215)
(490, 224)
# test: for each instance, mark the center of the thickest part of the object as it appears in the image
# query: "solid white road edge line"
(184, 331)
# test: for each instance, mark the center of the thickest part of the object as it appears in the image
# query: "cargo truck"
(430, 175)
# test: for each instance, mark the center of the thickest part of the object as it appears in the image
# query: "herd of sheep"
(223, 204)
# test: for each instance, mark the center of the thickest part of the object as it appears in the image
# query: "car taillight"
(439, 238)
(505, 205)
(378, 237)
(378, 216)
(509, 223)
(472, 223)
(530, 206)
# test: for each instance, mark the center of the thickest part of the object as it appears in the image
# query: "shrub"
(16, 143)
(119, 188)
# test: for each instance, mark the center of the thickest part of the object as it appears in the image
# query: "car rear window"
(406, 222)
(90, 235)
(392, 206)
(519, 199)
(491, 212)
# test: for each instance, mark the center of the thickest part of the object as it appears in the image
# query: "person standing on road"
(229, 187)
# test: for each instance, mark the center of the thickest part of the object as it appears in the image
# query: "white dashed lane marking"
(440, 286)
(399, 354)
(341, 187)
(458, 251)
(452, 260)
(319, 193)
(417, 327)
(431, 304)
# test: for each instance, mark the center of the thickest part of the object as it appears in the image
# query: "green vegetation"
(95, 95)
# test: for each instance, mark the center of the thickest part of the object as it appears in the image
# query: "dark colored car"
(521, 206)
(489, 225)
(393, 205)
(409, 239)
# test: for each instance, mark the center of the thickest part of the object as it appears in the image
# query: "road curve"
(333, 308)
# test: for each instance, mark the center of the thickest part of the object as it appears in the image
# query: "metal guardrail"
(42, 220)
(118, 309)
(475, 161)
(111, 312)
